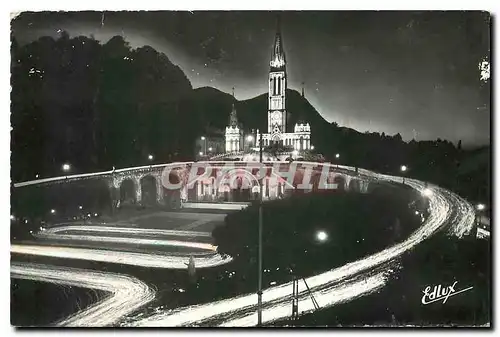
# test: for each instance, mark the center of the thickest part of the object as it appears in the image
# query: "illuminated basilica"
(300, 139)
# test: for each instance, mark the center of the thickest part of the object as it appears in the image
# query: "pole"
(311, 295)
(259, 291)
(295, 298)
(113, 203)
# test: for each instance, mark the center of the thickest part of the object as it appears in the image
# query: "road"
(341, 284)
(446, 211)
(87, 233)
(126, 294)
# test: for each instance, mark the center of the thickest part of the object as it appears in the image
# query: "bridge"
(176, 184)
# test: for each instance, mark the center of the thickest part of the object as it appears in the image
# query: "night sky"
(415, 73)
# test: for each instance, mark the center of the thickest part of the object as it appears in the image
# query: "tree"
(92, 105)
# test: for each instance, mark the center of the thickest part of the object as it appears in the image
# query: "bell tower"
(277, 89)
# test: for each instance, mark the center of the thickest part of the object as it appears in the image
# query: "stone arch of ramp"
(128, 190)
(175, 177)
(149, 189)
(230, 178)
(197, 179)
(354, 185)
(340, 180)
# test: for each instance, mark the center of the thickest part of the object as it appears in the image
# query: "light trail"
(482, 233)
(53, 233)
(130, 258)
(325, 298)
(335, 286)
(79, 227)
(443, 208)
(127, 240)
(126, 294)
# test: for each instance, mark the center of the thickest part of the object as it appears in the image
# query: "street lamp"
(249, 140)
(66, 167)
(210, 149)
(479, 208)
(404, 168)
(200, 153)
(312, 147)
(53, 211)
(337, 155)
(150, 157)
(321, 236)
(205, 140)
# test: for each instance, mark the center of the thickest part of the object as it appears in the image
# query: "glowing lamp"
(321, 236)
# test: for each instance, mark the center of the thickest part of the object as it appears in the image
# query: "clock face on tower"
(276, 117)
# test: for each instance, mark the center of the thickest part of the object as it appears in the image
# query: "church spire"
(278, 59)
(303, 89)
(233, 118)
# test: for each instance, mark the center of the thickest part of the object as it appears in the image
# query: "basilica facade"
(299, 139)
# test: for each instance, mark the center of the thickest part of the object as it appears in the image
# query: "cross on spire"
(278, 57)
